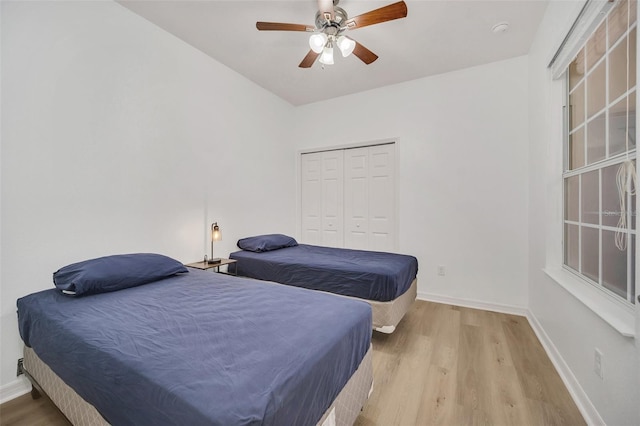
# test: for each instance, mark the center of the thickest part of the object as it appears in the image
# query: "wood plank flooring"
(25, 411)
(444, 365)
(448, 365)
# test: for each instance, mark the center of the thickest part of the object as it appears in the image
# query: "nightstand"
(214, 266)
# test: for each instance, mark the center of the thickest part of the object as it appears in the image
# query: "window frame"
(598, 165)
(613, 310)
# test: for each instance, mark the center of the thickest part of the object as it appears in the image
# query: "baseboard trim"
(580, 397)
(474, 304)
(14, 389)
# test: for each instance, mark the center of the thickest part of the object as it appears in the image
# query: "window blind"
(590, 16)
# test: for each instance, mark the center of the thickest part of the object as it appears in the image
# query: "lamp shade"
(327, 56)
(346, 45)
(216, 235)
(317, 42)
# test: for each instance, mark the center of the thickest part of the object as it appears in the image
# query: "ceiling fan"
(331, 22)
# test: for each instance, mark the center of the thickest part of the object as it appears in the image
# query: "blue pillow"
(269, 242)
(113, 273)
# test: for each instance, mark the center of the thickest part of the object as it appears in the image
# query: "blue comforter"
(200, 349)
(365, 274)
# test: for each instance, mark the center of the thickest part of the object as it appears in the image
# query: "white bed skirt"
(387, 315)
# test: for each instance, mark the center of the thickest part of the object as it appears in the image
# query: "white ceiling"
(437, 36)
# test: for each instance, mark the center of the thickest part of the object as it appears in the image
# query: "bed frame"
(343, 411)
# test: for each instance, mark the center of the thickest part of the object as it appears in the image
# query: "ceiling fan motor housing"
(331, 27)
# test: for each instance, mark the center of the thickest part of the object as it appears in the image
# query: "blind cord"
(626, 181)
(626, 177)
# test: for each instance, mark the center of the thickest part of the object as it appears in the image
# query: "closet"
(348, 197)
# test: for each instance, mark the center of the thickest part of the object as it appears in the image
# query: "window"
(599, 139)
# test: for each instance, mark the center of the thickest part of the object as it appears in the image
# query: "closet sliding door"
(370, 198)
(356, 206)
(332, 198)
(348, 198)
(311, 198)
(322, 198)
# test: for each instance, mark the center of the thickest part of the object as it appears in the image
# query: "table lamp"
(216, 235)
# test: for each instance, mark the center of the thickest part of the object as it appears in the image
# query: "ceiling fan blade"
(308, 60)
(364, 54)
(387, 13)
(326, 7)
(279, 26)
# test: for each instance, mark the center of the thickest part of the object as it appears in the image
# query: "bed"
(197, 347)
(387, 281)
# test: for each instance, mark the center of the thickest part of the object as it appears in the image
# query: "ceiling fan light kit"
(346, 45)
(330, 24)
(317, 42)
(327, 56)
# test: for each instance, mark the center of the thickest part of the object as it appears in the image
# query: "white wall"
(462, 164)
(117, 137)
(573, 329)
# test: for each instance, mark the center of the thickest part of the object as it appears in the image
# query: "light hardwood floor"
(25, 411)
(447, 365)
(444, 365)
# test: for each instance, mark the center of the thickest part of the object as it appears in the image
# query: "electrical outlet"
(20, 371)
(441, 270)
(597, 363)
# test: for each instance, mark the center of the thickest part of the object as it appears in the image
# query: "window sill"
(616, 314)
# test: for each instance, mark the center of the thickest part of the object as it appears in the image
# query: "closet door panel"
(332, 198)
(311, 198)
(356, 198)
(382, 197)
